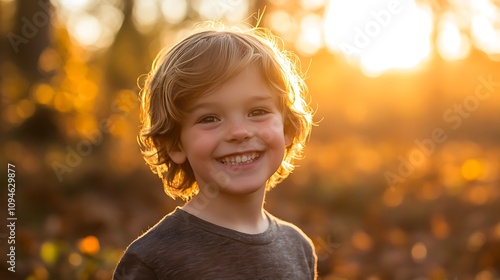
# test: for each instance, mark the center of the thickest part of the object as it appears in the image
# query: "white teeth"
(240, 159)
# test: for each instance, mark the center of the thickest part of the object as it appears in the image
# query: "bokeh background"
(401, 177)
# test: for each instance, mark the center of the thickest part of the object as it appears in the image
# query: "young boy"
(223, 119)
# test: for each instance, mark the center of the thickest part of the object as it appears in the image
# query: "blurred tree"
(32, 31)
(128, 56)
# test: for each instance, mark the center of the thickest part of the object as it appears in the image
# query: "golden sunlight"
(310, 39)
(486, 36)
(90, 25)
(380, 36)
(145, 14)
(451, 43)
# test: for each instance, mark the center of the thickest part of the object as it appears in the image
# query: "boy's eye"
(258, 112)
(208, 119)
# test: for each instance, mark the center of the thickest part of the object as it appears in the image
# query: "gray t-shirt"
(183, 246)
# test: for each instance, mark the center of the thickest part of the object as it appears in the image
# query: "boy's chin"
(241, 190)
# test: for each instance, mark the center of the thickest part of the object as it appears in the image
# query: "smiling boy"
(223, 119)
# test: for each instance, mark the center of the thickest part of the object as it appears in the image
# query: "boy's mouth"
(240, 159)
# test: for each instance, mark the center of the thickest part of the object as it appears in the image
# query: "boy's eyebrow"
(209, 104)
(199, 105)
(260, 98)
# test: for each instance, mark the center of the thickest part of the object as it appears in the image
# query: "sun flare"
(382, 35)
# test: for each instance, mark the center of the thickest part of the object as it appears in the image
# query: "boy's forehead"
(211, 100)
(248, 85)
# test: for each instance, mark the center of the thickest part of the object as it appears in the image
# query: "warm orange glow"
(440, 227)
(85, 124)
(430, 191)
(49, 60)
(472, 169)
(450, 177)
(485, 275)
(419, 252)
(475, 241)
(382, 76)
(478, 195)
(75, 71)
(61, 102)
(393, 197)
(120, 126)
(43, 94)
(89, 245)
(362, 241)
(366, 160)
(25, 108)
(75, 259)
(11, 116)
(39, 273)
(397, 237)
(496, 231)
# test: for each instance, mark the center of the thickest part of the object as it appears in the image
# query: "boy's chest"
(236, 260)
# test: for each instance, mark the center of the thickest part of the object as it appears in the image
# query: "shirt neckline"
(265, 237)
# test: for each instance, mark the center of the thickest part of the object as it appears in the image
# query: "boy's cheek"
(272, 130)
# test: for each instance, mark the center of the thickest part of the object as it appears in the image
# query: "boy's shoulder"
(290, 230)
(171, 228)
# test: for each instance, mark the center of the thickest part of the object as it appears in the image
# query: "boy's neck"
(243, 213)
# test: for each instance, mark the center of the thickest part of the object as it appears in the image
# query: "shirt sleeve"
(312, 258)
(313, 262)
(131, 267)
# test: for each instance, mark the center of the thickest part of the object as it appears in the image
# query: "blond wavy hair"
(196, 66)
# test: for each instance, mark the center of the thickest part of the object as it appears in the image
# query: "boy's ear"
(178, 156)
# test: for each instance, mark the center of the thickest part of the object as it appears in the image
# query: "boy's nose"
(238, 131)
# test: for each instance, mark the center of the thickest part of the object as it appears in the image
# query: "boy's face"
(233, 138)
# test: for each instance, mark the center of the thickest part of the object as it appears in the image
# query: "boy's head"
(200, 65)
